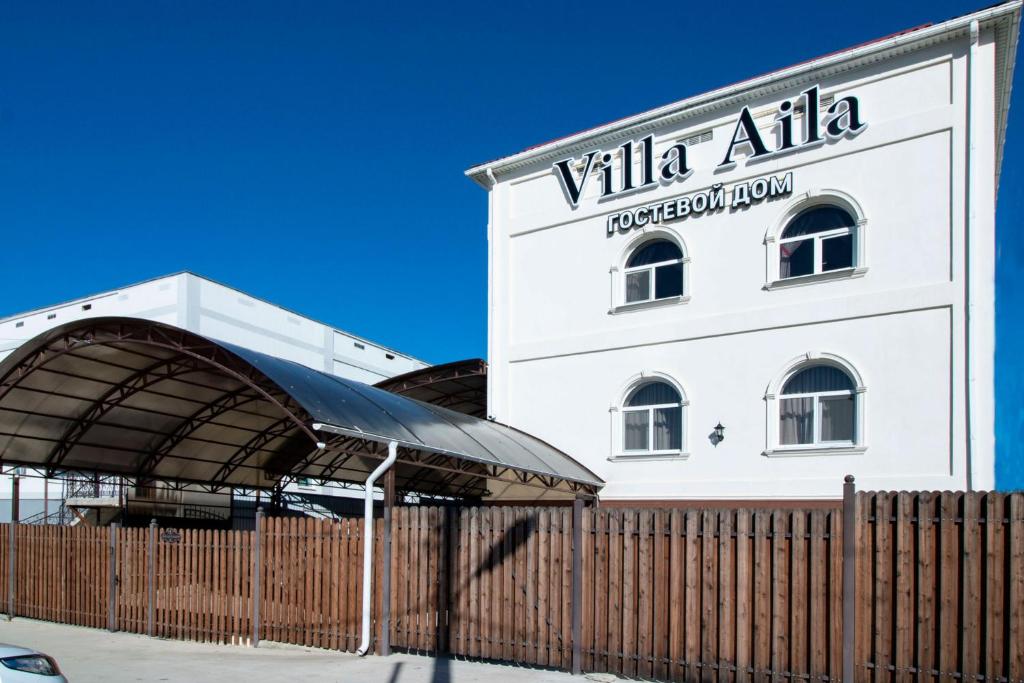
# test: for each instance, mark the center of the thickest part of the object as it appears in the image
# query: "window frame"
(650, 449)
(817, 396)
(619, 273)
(618, 412)
(818, 238)
(652, 269)
(809, 200)
(773, 406)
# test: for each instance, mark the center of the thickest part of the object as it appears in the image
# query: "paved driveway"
(94, 655)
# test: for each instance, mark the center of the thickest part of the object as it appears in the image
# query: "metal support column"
(389, 504)
(577, 583)
(112, 579)
(151, 578)
(256, 577)
(12, 547)
(849, 576)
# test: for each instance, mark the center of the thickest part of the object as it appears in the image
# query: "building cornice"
(1004, 18)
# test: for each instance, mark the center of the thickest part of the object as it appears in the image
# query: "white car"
(18, 664)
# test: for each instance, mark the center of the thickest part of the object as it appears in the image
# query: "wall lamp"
(719, 433)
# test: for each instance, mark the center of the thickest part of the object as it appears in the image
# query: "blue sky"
(311, 153)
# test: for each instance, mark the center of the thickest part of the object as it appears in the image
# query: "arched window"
(654, 271)
(818, 240)
(652, 419)
(818, 406)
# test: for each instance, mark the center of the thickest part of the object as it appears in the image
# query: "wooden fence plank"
(588, 583)
(883, 627)
(567, 531)
(708, 570)
(762, 647)
(644, 581)
(819, 604)
(1015, 589)
(903, 585)
(543, 586)
(780, 594)
(744, 594)
(924, 582)
(949, 582)
(660, 602)
(629, 593)
(971, 558)
(799, 663)
(725, 656)
(676, 590)
(994, 583)
(615, 589)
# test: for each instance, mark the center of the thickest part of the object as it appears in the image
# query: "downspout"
(493, 358)
(969, 226)
(364, 646)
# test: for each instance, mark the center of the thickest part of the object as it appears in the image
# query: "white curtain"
(796, 420)
(668, 428)
(635, 427)
(638, 286)
(837, 418)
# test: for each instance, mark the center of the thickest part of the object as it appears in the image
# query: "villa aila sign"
(842, 118)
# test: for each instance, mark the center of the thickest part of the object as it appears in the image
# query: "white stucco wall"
(214, 310)
(560, 355)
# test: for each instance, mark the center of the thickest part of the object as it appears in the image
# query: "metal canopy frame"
(151, 402)
(460, 386)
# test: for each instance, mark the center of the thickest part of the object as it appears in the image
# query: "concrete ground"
(86, 655)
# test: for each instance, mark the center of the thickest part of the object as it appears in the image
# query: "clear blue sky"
(257, 143)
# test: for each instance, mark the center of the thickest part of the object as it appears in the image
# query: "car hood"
(7, 650)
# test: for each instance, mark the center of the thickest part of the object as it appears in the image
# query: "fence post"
(151, 577)
(256, 578)
(849, 576)
(112, 580)
(577, 583)
(12, 547)
(10, 568)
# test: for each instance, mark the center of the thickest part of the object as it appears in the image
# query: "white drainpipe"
(368, 542)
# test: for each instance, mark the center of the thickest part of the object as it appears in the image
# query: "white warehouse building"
(755, 291)
(213, 310)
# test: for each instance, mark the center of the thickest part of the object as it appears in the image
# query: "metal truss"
(170, 355)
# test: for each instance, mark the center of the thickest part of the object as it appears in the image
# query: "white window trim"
(773, 447)
(652, 280)
(816, 440)
(651, 450)
(615, 411)
(618, 271)
(773, 240)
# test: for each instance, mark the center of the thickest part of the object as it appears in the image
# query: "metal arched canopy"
(153, 402)
(460, 386)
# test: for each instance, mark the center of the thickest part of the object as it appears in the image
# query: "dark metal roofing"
(148, 400)
(460, 386)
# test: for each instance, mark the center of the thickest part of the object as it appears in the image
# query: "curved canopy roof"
(460, 386)
(151, 401)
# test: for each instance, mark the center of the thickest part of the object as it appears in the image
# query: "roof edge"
(699, 103)
(190, 273)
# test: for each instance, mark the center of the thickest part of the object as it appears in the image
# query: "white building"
(805, 258)
(214, 310)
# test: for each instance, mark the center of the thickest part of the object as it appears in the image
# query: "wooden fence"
(195, 584)
(940, 586)
(715, 596)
